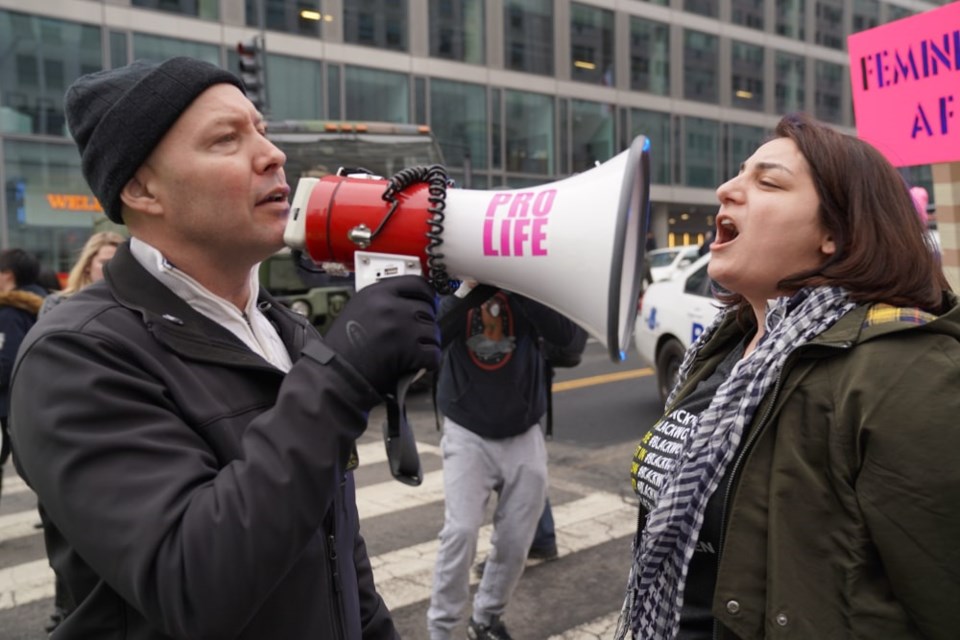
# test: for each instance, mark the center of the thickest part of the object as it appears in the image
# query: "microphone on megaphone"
(584, 234)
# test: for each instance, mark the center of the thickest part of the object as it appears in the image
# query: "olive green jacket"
(843, 517)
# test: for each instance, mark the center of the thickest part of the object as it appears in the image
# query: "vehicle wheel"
(668, 366)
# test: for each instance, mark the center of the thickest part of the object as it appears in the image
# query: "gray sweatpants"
(473, 468)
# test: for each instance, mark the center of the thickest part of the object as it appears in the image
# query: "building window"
(790, 78)
(747, 66)
(895, 12)
(496, 129)
(458, 118)
(829, 94)
(457, 31)
(701, 153)
(708, 8)
(741, 141)
(295, 88)
(649, 56)
(50, 208)
(157, 48)
(301, 17)
(376, 23)
(118, 48)
(700, 66)
(206, 9)
(790, 19)
(656, 127)
(591, 44)
(748, 13)
(592, 134)
(866, 15)
(371, 94)
(529, 127)
(40, 58)
(334, 92)
(830, 23)
(528, 36)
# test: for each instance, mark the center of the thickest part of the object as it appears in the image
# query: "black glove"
(387, 330)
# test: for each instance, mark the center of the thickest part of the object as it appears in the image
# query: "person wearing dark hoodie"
(491, 391)
(20, 300)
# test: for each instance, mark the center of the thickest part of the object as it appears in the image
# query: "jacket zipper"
(335, 581)
(751, 439)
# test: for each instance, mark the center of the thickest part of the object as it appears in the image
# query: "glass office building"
(518, 92)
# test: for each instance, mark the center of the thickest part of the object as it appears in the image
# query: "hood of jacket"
(22, 299)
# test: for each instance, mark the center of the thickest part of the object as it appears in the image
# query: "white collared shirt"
(250, 325)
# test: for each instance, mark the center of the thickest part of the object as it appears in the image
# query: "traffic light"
(251, 65)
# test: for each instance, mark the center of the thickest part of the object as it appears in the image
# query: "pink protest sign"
(906, 87)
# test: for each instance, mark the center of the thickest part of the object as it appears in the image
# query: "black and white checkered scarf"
(655, 590)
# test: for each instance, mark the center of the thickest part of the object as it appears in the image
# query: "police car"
(672, 314)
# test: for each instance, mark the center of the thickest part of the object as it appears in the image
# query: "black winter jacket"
(193, 490)
(18, 312)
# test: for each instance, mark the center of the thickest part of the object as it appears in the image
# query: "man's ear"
(137, 196)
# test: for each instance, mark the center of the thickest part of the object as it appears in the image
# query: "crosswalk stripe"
(601, 629)
(375, 452)
(14, 484)
(24, 583)
(18, 525)
(369, 453)
(388, 497)
(405, 576)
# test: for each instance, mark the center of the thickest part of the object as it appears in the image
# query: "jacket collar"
(865, 322)
(177, 325)
(870, 321)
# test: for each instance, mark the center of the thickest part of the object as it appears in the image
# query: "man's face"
(219, 181)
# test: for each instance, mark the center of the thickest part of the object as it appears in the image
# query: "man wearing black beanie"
(195, 464)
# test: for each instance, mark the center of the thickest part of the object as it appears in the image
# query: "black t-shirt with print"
(656, 456)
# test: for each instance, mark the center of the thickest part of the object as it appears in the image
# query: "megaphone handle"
(400, 443)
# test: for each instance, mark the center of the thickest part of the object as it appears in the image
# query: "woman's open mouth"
(726, 230)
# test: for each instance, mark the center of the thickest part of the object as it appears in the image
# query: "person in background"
(803, 480)
(651, 241)
(707, 241)
(20, 301)
(492, 394)
(190, 440)
(49, 281)
(96, 252)
(544, 544)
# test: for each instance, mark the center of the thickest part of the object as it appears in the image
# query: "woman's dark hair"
(883, 254)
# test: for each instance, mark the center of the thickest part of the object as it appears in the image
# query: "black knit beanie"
(118, 116)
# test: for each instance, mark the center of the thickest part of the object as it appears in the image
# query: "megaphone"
(575, 245)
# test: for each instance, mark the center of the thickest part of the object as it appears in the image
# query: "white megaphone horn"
(575, 245)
